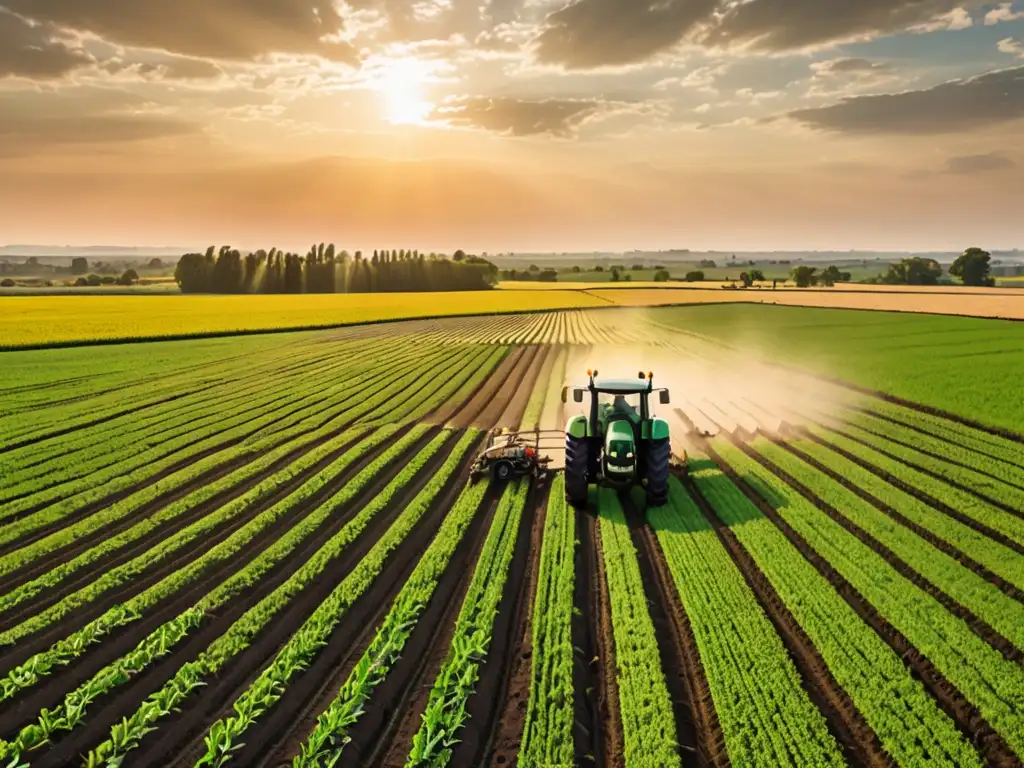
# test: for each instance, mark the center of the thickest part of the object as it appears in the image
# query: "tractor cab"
(619, 442)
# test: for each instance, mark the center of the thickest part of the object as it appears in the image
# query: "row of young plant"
(766, 717)
(996, 557)
(304, 645)
(988, 680)
(401, 394)
(164, 640)
(963, 465)
(961, 501)
(983, 599)
(992, 483)
(123, 614)
(1008, 452)
(547, 730)
(273, 414)
(648, 722)
(95, 449)
(324, 746)
(347, 409)
(910, 726)
(446, 712)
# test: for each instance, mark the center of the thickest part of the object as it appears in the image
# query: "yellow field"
(49, 319)
(55, 319)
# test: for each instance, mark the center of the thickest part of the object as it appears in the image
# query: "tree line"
(325, 270)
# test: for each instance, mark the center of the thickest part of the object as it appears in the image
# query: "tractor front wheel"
(502, 471)
(659, 453)
(577, 454)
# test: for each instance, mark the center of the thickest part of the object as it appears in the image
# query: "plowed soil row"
(179, 734)
(697, 728)
(924, 533)
(517, 663)
(845, 722)
(614, 746)
(512, 416)
(966, 717)
(464, 411)
(916, 492)
(588, 700)
(507, 381)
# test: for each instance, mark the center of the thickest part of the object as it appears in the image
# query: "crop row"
(648, 722)
(992, 482)
(964, 503)
(547, 732)
(191, 676)
(445, 712)
(766, 717)
(313, 635)
(986, 601)
(327, 741)
(996, 557)
(988, 680)
(908, 722)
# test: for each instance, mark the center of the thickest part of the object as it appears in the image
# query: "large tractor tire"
(659, 453)
(577, 455)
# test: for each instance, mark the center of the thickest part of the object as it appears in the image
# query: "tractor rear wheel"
(577, 454)
(659, 453)
(503, 470)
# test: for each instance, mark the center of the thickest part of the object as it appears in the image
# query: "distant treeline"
(324, 270)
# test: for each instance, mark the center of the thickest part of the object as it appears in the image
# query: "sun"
(401, 87)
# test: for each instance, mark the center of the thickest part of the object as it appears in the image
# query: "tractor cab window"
(623, 403)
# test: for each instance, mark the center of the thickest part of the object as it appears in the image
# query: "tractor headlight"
(615, 454)
(629, 455)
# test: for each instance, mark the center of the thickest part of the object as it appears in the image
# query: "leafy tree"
(972, 266)
(804, 276)
(7, 283)
(460, 255)
(637, 267)
(576, 269)
(81, 282)
(756, 275)
(128, 277)
(615, 274)
(534, 268)
(694, 277)
(662, 276)
(599, 268)
(831, 275)
(913, 271)
(79, 266)
(155, 264)
(627, 278)
(548, 276)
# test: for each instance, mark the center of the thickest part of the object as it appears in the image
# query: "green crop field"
(267, 550)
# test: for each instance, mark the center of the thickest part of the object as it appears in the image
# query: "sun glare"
(401, 87)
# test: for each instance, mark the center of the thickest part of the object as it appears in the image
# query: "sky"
(514, 125)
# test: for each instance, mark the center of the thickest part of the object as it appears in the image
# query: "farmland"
(266, 551)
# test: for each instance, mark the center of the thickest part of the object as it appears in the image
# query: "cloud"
(954, 21)
(596, 33)
(35, 51)
(971, 164)
(1004, 12)
(1011, 46)
(958, 105)
(228, 29)
(32, 122)
(520, 117)
(171, 68)
(593, 33)
(846, 66)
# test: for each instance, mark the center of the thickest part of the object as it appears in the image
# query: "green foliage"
(804, 276)
(662, 276)
(548, 730)
(913, 271)
(972, 266)
(909, 724)
(694, 277)
(767, 718)
(446, 713)
(648, 724)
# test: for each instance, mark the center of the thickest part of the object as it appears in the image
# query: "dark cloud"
(959, 105)
(32, 122)
(35, 51)
(227, 29)
(594, 33)
(970, 164)
(174, 68)
(517, 117)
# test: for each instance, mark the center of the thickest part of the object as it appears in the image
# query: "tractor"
(620, 444)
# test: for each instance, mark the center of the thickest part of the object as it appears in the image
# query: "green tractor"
(620, 444)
